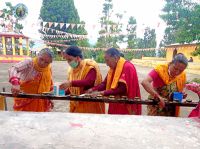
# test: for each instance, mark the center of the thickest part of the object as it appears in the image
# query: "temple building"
(13, 47)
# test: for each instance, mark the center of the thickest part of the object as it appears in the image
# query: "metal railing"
(110, 99)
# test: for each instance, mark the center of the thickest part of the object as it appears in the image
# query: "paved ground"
(59, 75)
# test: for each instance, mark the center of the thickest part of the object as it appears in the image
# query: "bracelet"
(15, 82)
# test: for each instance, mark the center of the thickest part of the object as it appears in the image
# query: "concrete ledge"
(154, 58)
(54, 130)
(193, 68)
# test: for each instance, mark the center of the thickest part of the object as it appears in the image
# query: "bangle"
(15, 82)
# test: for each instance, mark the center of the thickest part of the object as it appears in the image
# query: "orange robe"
(38, 85)
(78, 74)
(2, 102)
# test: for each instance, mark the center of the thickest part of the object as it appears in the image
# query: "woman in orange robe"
(83, 74)
(32, 76)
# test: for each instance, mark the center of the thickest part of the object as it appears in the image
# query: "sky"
(146, 13)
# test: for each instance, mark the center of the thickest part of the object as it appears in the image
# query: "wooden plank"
(102, 99)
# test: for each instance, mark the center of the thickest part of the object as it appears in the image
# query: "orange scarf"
(180, 80)
(112, 81)
(2, 102)
(38, 85)
(81, 72)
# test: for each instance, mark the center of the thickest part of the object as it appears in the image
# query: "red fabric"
(88, 82)
(101, 86)
(120, 90)
(195, 112)
(157, 81)
(128, 75)
(195, 87)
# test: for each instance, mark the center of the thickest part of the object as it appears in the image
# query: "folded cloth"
(195, 87)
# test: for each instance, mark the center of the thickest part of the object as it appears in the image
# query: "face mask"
(73, 64)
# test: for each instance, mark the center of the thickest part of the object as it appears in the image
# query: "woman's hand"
(184, 95)
(15, 90)
(89, 91)
(161, 102)
(160, 99)
(65, 85)
(95, 93)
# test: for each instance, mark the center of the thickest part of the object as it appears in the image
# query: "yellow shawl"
(78, 74)
(113, 79)
(81, 72)
(180, 80)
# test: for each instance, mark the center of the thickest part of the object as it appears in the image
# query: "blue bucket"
(61, 92)
(178, 96)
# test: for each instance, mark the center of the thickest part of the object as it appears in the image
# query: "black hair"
(74, 51)
(121, 54)
(180, 57)
(113, 52)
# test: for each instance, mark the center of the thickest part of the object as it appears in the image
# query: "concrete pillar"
(4, 45)
(20, 46)
(13, 45)
(27, 46)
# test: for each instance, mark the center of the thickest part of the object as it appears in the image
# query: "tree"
(131, 28)
(107, 8)
(110, 31)
(61, 12)
(31, 44)
(140, 43)
(161, 44)
(197, 51)
(149, 40)
(189, 25)
(182, 19)
(120, 37)
(10, 22)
